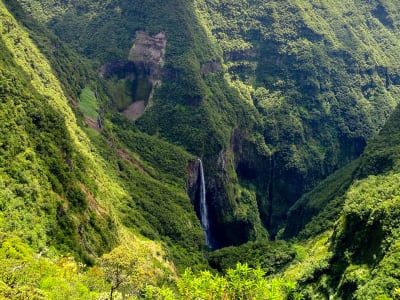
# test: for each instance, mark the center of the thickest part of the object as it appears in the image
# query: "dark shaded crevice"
(270, 194)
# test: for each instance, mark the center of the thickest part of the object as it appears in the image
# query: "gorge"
(246, 149)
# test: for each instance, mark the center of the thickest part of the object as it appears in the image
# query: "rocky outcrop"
(147, 53)
(192, 170)
(119, 68)
(137, 75)
(135, 110)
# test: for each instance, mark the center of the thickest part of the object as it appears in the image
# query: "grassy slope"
(88, 103)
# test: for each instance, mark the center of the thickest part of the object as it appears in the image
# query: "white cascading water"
(203, 205)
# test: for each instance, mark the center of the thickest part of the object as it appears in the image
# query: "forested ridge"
(107, 108)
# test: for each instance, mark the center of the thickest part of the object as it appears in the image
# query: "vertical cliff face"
(192, 170)
(148, 53)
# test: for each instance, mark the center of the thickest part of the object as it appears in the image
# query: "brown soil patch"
(92, 124)
(125, 156)
(93, 204)
(135, 110)
(74, 102)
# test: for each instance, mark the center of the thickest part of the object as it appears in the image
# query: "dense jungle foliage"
(289, 104)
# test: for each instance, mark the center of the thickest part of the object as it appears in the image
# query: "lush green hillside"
(346, 244)
(323, 75)
(284, 92)
(194, 107)
(106, 106)
(137, 176)
(64, 195)
(47, 170)
(360, 218)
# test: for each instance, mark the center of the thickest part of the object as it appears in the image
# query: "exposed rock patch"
(192, 170)
(93, 203)
(135, 110)
(126, 157)
(120, 68)
(92, 124)
(74, 102)
(137, 76)
(147, 53)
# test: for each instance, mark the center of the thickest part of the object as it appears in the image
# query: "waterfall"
(203, 205)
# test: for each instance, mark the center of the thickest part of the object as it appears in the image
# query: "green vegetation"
(320, 74)
(367, 232)
(239, 283)
(88, 103)
(120, 91)
(39, 183)
(271, 257)
(59, 192)
(318, 210)
(129, 271)
(359, 203)
(310, 82)
(278, 99)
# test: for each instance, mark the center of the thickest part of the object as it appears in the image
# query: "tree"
(119, 266)
(243, 283)
(131, 266)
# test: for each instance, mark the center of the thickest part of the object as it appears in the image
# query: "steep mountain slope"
(107, 105)
(284, 92)
(47, 169)
(362, 250)
(346, 230)
(183, 108)
(59, 194)
(331, 73)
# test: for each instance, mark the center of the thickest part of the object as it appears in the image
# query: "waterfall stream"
(203, 206)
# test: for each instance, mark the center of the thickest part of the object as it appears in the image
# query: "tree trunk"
(111, 293)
